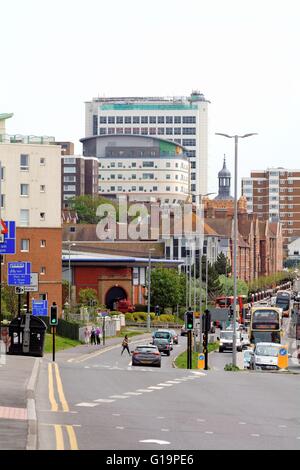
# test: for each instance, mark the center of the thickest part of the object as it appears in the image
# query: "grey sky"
(243, 55)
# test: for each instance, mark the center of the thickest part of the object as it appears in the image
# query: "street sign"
(18, 273)
(19, 290)
(8, 231)
(201, 359)
(40, 308)
(283, 360)
(34, 283)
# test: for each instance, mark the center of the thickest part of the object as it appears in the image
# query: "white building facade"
(182, 120)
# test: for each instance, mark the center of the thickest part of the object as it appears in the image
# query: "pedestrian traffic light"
(53, 315)
(156, 310)
(189, 320)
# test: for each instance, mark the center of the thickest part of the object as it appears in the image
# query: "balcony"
(26, 139)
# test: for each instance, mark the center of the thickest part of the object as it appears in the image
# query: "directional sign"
(18, 273)
(34, 283)
(8, 231)
(40, 308)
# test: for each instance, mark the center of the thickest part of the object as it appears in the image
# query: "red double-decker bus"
(225, 301)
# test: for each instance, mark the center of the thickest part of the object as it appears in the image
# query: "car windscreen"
(265, 336)
(146, 349)
(226, 335)
(162, 335)
(266, 351)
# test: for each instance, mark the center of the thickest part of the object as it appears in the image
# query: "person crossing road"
(125, 344)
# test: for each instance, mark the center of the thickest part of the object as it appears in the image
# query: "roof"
(112, 136)
(4, 116)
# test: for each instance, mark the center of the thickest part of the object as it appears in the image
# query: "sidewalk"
(15, 374)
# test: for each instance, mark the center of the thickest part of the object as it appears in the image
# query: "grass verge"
(181, 360)
(60, 343)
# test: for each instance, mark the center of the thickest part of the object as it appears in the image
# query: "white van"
(265, 356)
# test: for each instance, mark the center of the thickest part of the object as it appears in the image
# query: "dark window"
(119, 119)
(152, 119)
(177, 120)
(169, 119)
(127, 119)
(189, 142)
(144, 120)
(95, 124)
(102, 119)
(161, 119)
(136, 119)
(111, 119)
(189, 119)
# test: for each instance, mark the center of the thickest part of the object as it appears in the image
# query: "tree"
(167, 288)
(227, 286)
(222, 265)
(86, 208)
(65, 291)
(213, 287)
(88, 296)
(10, 301)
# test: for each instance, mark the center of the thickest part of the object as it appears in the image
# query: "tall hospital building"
(182, 120)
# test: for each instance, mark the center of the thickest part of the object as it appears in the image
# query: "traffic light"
(157, 310)
(189, 320)
(53, 315)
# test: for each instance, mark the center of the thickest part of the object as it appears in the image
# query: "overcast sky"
(242, 55)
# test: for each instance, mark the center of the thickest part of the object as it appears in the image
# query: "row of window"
(24, 189)
(140, 189)
(145, 164)
(24, 162)
(24, 217)
(25, 243)
(133, 177)
(147, 119)
(146, 131)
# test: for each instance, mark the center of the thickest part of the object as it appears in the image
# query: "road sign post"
(53, 323)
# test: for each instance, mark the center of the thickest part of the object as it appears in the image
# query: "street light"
(70, 278)
(235, 137)
(149, 289)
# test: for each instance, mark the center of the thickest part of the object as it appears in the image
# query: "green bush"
(231, 367)
(114, 312)
(129, 316)
(167, 318)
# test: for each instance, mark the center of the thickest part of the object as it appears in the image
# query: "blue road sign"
(40, 308)
(8, 247)
(19, 273)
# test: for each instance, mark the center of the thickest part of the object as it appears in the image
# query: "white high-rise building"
(183, 120)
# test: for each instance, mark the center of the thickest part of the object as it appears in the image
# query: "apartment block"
(182, 120)
(274, 194)
(30, 195)
(79, 176)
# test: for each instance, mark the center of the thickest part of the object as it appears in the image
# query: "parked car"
(248, 353)
(146, 355)
(175, 336)
(163, 340)
(265, 356)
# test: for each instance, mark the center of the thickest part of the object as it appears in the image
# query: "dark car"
(183, 331)
(174, 336)
(146, 355)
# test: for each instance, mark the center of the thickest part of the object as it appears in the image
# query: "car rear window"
(162, 334)
(146, 349)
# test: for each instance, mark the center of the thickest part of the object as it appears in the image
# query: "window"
(189, 142)
(127, 130)
(141, 188)
(144, 131)
(168, 188)
(148, 176)
(133, 165)
(43, 270)
(177, 120)
(177, 130)
(120, 165)
(133, 177)
(136, 119)
(112, 188)
(193, 164)
(169, 131)
(161, 131)
(24, 217)
(152, 119)
(136, 130)
(70, 169)
(103, 120)
(24, 244)
(120, 120)
(144, 120)
(24, 190)
(69, 160)
(168, 177)
(111, 130)
(193, 176)
(42, 161)
(120, 188)
(178, 141)
(189, 120)
(191, 153)
(42, 188)
(160, 119)
(148, 164)
(119, 130)
(168, 165)
(152, 131)
(43, 243)
(133, 188)
(111, 119)
(154, 188)
(102, 130)
(69, 179)
(189, 130)
(42, 215)
(120, 176)
(290, 190)
(67, 187)
(169, 119)
(127, 119)
(113, 177)
(24, 162)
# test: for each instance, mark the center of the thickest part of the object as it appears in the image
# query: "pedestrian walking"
(98, 338)
(125, 343)
(93, 335)
(86, 335)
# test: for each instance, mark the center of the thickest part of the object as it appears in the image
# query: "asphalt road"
(95, 400)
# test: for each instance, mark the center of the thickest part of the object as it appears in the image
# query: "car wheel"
(168, 353)
(220, 350)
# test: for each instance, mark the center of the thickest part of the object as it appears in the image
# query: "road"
(96, 400)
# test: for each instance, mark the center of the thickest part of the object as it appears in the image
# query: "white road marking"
(133, 393)
(201, 420)
(242, 422)
(155, 441)
(116, 414)
(166, 385)
(282, 426)
(208, 432)
(119, 427)
(87, 367)
(104, 400)
(160, 417)
(155, 388)
(255, 435)
(165, 430)
(171, 382)
(199, 373)
(118, 396)
(144, 390)
(86, 404)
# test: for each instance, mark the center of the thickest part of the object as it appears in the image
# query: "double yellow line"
(53, 373)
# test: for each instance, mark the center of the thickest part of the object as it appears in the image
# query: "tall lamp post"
(235, 137)
(149, 291)
(70, 277)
